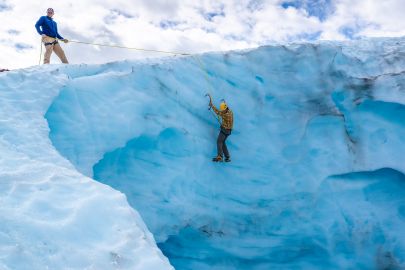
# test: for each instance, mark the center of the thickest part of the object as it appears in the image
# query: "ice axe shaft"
(209, 106)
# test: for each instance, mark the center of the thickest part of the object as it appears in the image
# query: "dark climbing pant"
(221, 145)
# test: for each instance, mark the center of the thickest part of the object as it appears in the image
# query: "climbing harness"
(46, 44)
(51, 43)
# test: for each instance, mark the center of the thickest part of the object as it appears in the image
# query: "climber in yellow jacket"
(226, 116)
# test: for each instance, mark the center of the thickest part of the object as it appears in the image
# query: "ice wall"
(317, 178)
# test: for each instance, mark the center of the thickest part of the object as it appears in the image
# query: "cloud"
(4, 6)
(21, 47)
(168, 24)
(188, 26)
(317, 8)
(13, 32)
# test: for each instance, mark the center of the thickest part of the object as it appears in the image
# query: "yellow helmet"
(223, 106)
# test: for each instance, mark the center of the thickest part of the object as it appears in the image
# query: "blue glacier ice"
(317, 178)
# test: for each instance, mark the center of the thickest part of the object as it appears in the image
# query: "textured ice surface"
(317, 178)
(52, 216)
(317, 174)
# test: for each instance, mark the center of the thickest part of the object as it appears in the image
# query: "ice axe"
(209, 106)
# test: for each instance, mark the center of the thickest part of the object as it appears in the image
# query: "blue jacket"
(46, 25)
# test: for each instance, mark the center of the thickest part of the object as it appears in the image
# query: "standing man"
(48, 29)
(226, 129)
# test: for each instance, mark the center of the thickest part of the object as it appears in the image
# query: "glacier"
(316, 181)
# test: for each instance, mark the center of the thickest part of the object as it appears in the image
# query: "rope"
(205, 72)
(150, 50)
(129, 48)
(159, 51)
(216, 116)
(209, 84)
(40, 53)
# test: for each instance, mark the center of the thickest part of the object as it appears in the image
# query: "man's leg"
(220, 143)
(48, 52)
(60, 53)
(48, 49)
(225, 148)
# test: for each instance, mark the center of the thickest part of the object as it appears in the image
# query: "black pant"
(221, 145)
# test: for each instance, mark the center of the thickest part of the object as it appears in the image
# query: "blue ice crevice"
(317, 166)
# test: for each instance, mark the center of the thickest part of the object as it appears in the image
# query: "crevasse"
(317, 173)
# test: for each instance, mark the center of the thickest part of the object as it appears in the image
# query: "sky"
(188, 26)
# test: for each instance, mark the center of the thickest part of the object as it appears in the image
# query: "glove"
(65, 40)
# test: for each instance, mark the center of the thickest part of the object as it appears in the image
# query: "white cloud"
(189, 26)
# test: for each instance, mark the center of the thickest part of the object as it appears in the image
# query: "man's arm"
(57, 33)
(212, 106)
(39, 24)
(59, 36)
(218, 112)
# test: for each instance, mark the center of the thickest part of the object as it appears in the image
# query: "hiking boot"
(228, 159)
(217, 159)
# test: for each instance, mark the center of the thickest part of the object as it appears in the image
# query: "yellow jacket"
(227, 117)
